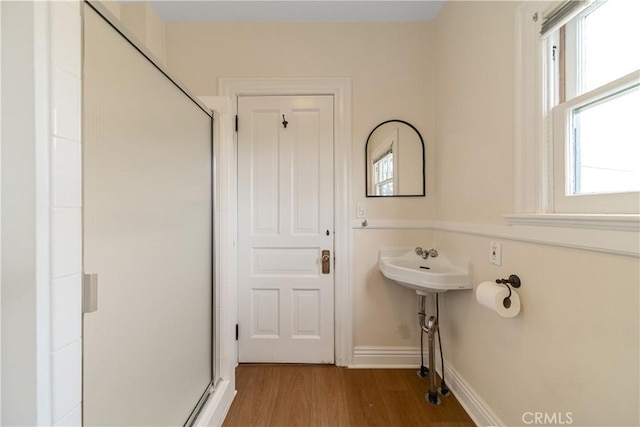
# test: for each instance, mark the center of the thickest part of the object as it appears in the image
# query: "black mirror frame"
(366, 162)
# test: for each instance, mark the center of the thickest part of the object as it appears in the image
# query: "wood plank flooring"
(324, 395)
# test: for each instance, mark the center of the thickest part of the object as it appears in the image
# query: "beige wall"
(145, 24)
(392, 77)
(142, 21)
(390, 67)
(574, 347)
(384, 313)
(475, 111)
(113, 7)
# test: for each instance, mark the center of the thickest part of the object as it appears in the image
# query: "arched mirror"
(394, 163)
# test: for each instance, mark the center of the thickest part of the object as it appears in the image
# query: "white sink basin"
(440, 274)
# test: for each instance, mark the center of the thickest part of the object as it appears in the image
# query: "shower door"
(147, 350)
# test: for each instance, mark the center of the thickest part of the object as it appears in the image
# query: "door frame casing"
(340, 89)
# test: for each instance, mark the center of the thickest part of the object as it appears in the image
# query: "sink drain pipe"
(430, 327)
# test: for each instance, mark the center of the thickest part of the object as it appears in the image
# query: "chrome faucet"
(426, 254)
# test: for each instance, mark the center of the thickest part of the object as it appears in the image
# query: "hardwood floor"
(324, 395)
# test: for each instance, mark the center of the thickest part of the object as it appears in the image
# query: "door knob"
(326, 262)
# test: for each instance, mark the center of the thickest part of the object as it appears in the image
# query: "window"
(383, 175)
(593, 95)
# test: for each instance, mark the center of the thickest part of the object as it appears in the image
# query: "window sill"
(630, 222)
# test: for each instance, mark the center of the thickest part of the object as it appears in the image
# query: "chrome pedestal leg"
(430, 328)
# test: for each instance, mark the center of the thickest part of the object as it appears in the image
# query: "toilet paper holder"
(513, 280)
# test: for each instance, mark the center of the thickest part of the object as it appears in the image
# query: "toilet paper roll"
(494, 297)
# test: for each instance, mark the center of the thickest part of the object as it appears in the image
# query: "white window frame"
(534, 154)
(607, 203)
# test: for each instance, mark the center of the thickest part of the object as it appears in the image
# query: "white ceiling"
(297, 10)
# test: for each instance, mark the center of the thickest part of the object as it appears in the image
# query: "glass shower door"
(147, 355)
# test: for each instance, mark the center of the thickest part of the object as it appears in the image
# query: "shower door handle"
(326, 262)
(89, 293)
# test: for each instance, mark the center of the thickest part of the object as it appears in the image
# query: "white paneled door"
(285, 223)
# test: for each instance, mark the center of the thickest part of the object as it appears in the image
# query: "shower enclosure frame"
(214, 377)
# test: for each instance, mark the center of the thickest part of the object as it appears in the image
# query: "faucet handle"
(419, 251)
(433, 253)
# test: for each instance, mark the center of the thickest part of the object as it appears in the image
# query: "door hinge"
(236, 123)
(237, 331)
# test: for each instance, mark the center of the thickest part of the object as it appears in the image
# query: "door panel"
(306, 313)
(264, 172)
(266, 307)
(285, 262)
(285, 221)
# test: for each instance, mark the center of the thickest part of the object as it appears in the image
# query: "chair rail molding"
(617, 235)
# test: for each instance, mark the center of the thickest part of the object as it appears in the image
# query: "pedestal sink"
(434, 274)
(440, 274)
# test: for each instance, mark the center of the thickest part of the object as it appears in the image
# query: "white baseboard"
(409, 358)
(478, 410)
(217, 406)
(385, 358)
